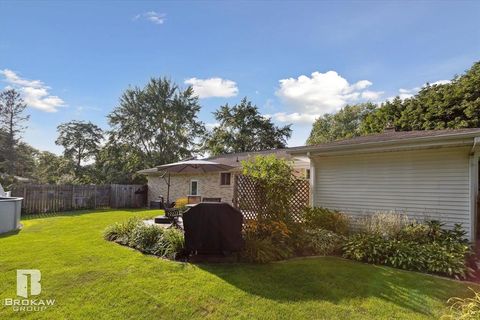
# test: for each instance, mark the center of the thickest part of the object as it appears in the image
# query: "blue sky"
(294, 60)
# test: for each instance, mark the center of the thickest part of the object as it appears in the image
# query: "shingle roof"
(389, 136)
(235, 159)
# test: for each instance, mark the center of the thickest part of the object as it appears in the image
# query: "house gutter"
(476, 145)
(474, 177)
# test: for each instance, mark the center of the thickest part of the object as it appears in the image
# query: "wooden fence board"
(55, 198)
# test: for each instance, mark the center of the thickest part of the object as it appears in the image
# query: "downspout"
(474, 176)
(476, 144)
(312, 180)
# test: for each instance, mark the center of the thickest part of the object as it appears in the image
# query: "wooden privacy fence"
(248, 197)
(55, 198)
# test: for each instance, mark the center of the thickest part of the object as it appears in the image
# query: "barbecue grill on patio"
(213, 229)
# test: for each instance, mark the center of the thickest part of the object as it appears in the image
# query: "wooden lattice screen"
(247, 197)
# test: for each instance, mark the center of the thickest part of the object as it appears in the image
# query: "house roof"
(235, 159)
(388, 137)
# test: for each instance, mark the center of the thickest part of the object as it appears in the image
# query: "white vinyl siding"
(425, 184)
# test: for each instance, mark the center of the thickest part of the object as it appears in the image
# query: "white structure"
(424, 174)
(10, 211)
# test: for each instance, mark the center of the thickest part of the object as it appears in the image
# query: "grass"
(91, 278)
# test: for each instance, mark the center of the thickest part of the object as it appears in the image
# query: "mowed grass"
(91, 278)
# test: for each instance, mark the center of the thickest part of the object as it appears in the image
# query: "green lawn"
(91, 278)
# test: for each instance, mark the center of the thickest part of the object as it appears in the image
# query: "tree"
(3, 139)
(242, 128)
(451, 105)
(12, 117)
(25, 160)
(52, 169)
(346, 123)
(276, 181)
(385, 116)
(442, 106)
(160, 120)
(118, 162)
(81, 141)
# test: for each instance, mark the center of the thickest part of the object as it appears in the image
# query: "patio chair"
(174, 215)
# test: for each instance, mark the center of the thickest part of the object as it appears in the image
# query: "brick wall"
(208, 186)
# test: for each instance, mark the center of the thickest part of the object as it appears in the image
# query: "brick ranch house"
(214, 184)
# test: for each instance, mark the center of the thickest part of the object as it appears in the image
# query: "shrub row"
(319, 233)
(425, 247)
(384, 238)
(322, 218)
(151, 239)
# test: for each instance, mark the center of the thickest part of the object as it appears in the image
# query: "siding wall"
(208, 186)
(425, 184)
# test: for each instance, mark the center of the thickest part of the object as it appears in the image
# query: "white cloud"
(152, 16)
(310, 97)
(81, 109)
(440, 82)
(371, 95)
(34, 92)
(408, 93)
(213, 87)
(295, 117)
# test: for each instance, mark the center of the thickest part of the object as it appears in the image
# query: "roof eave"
(147, 171)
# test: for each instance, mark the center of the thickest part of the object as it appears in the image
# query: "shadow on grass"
(334, 280)
(10, 233)
(80, 212)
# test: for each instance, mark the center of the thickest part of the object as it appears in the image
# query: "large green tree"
(242, 128)
(160, 120)
(53, 169)
(12, 119)
(25, 160)
(80, 140)
(118, 162)
(451, 105)
(346, 123)
(387, 115)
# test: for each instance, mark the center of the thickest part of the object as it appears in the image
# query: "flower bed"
(425, 247)
(150, 239)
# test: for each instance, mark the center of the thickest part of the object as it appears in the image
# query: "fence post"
(73, 195)
(95, 197)
(113, 191)
(24, 197)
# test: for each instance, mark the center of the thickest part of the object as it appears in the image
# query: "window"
(194, 188)
(225, 178)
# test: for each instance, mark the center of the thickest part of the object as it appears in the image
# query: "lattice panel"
(249, 197)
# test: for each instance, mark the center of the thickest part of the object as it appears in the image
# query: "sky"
(294, 60)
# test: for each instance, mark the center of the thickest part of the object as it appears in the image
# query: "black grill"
(213, 228)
